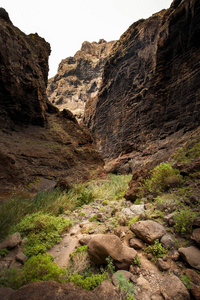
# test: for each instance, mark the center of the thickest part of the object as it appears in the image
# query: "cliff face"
(79, 77)
(150, 93)
(23, 75)
(37, 142)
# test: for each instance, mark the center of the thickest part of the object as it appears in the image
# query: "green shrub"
(186, 155)
(3, 252)
(110, 265)
(137, 261)
(126, 288)
(134, 220)
(183, 220)
(79, 250)
(85, 197)
(40, 267)
(88, 283)
(156, 249)
(161, 179)
(42, 230)
(93, 218)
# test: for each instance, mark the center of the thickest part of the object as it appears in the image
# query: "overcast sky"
(66, 24)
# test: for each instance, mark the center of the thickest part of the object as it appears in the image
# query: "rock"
(195, 278)
(127, 275)
(143, 283)
(195, 291)
(191, 255)
(167, 241)
(85, 240)
(135, 243)
(100, 217)
(168, 218)
(11, 242)
(36, 140)
(5, 293)
(121, 231)
(101, 246)
(137, 209)
(143, 80)
(106, 291)
(196, 236)
(162, 265)
(149, 256)
(51, 290)
(174, 289)
(78, 78)
(21, 257)
(175, 255)
(148, 231)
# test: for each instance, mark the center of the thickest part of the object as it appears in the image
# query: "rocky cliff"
(36, 140)
(150, 91)
(79, 77)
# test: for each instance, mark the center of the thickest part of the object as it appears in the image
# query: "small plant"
(93, 218)
(3, 252)
(126, 288)
(105, 202)
(80, 260)
(137, 261)
(134, 220)
(186, 281)
(89, 283)
(157, 249)
(85, 197)
(161, 179)
(183, 220)
(82, 213)
(110, 265)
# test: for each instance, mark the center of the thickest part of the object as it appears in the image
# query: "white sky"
(66, 24)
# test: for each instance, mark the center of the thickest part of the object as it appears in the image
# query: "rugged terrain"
(149, 97)
(36, 140)
(79, 77)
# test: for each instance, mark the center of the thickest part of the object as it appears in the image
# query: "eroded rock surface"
(36, 140)
(150, 89)
(79, 77)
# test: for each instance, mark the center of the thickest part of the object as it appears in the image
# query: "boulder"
(162, 265)
(195, 278)
(11, 242)
(21, 257)
(195, 291)
(148, 231)
(174, 289)
(196, 236)
(167, 241)
(101, 246)
(106, 291)
(191, 255)
(137, 209)
(5, 293)
(135, 243)
(51, 290)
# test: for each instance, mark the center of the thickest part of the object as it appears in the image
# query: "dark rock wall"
(23, 75)
(151, 86)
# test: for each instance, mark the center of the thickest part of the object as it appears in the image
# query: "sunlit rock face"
(79, 77)
(150, 89)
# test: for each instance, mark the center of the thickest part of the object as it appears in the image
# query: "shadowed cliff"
(150, 92)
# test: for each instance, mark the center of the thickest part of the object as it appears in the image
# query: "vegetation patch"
(42, 230)
(162, 178)
(156, 249)
(183, 220)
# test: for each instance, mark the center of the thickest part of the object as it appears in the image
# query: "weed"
(110, 265)
(134, 220)
(126, 288)
(161, 179)
(105, 202)
(3, 252)
(80, 261)
(82, 213)
(186, 281)
(156, 249)
(89, 283)
(183, 220)
(93, 218)
(85, 197)
(137, 261)
(42, 230)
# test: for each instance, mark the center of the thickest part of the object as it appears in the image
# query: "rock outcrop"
(36, 140)
(79, 77)
(150, 90)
